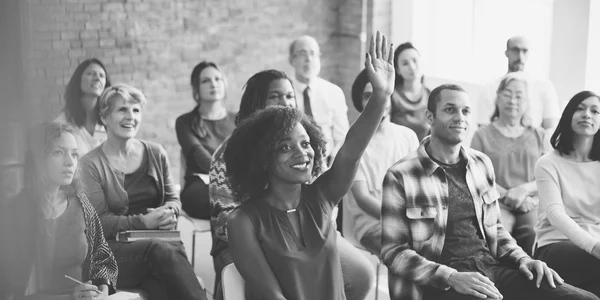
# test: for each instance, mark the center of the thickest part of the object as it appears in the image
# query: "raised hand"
(380, 65)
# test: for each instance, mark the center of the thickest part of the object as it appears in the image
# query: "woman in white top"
(568, 179)
(81, 104)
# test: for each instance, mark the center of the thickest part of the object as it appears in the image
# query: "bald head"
(517, 52)
(305, 58)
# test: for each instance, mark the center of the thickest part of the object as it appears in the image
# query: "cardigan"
(105, 187)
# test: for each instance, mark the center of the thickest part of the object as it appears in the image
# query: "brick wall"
(154, 44)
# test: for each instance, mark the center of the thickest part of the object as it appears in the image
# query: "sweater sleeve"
(551, 202)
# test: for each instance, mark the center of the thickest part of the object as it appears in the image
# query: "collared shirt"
(328, 105)
(543, 101)
(415, 214)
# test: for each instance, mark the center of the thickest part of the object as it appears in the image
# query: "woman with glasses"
(128, 182)
(81, 104)
(200, 132)
(514, 149)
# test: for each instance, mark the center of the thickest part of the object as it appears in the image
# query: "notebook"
(137, 235)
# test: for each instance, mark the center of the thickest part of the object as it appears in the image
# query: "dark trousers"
(194, 198)
(574, 265)
(158, 267)
(511, 283)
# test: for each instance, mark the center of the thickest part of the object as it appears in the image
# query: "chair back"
(232, 283)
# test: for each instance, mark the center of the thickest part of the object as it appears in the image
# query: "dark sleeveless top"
(309, 271)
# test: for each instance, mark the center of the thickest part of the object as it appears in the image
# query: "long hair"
(399, 81)
(506, 80)
(195, 79)
(253, 144)
(39, 145)
(256, 91)
(74, 112)
(562, 139)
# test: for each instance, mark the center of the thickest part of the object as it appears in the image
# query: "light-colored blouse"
(86, 142)
(569, 208)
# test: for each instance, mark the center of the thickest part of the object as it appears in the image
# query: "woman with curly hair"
(55, 231)
(282, 238)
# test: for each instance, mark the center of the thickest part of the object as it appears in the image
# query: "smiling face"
(61, 161)
(93, 81)
(512, 101)
(124, 119)
(212, 85)
(293, 158)
(450, 123)
(586, 118)
(281, 92)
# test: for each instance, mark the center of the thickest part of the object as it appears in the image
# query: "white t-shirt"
(543, 101)
(385, 149)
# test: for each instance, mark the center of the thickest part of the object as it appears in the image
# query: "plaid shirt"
(415, 213)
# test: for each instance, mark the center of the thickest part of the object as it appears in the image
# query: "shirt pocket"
(491, 212)
(421, 221)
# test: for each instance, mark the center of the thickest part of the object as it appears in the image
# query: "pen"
(79, 282)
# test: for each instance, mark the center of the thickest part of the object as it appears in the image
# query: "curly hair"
(255, 92)
(253, 143)
(562, 138)
(74, 112)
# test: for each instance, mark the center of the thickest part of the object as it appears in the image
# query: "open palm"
(380, 64)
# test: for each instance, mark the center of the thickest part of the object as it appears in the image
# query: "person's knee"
(359, 275)
(164, 251)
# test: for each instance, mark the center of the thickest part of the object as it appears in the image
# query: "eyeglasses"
(307, 54)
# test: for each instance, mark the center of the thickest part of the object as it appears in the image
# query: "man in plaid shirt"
(442, 236)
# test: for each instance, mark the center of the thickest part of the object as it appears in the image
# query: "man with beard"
(544, 106)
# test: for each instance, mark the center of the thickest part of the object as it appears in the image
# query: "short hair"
(252, 145)
(435, 95)
(293, 44)
(399, 81)
(195, 78)
(358, 88)
(106, 103)
(506, 80)
(39, 145)
(256, 91)
(562, 139)
(74, 112)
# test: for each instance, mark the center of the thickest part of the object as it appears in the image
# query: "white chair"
(232, 283)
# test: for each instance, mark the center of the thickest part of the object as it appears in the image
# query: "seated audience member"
(568, 179)
(388, 145)
(409, 99)
(282, 238)
(316, 97)
(264, 89)
(55, 231)
(514, 149)
(81, 104)
(128, 182)
(200, 132)
(544, 106)
(442, 233)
